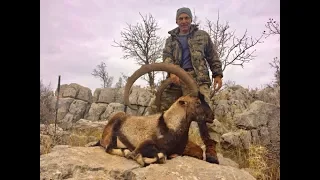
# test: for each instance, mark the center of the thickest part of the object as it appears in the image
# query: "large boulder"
(85, 163)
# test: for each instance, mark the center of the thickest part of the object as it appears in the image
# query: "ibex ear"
(183, 103)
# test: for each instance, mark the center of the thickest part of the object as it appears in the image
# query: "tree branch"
(101, 73)
(231, 49)
(141, 43)
(273, 28)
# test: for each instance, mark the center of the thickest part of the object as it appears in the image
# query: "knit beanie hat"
(183, 10)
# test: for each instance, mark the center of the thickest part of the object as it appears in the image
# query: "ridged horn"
(162, 87)
(159, 92)
(170, 68)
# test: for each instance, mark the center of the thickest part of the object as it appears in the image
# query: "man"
(191, 48)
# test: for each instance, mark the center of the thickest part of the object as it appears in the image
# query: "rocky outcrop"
(231, 101)
(77, 102)
(243, 117)
(74, 101)
(269, 95)
(262, 121)
(85, 163)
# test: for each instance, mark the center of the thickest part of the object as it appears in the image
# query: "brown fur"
(149, 139)
(193, 150)
(110, 127)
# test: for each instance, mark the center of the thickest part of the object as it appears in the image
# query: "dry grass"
(84, 136)
(47, 110)
(255, 159)
(94, 132)
(261, 166)
(238, 155)
(46, 144)
(77, 137)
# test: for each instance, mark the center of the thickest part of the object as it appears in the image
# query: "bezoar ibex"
(191, 148)
(153, 138)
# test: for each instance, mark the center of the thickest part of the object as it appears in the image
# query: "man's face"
(184, 22)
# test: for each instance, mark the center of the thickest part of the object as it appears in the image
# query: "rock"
(106, 95)
(112, 108)
(269, 95)
(85, 125)
(264, 118)
(86, 163)
(240, 138)
(96, 110)
(140, 96)
(63, 107)
(75, 91)
(229, 102)
(187, 168)
(226, 161)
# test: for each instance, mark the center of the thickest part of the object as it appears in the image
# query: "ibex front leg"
(147, 153)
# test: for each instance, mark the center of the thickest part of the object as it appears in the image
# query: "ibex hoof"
(127, 153)
(140, 160)
(212, 159)
(162, 158)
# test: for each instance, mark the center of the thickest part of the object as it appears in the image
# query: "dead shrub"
(47, 106)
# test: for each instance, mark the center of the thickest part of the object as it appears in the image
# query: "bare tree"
(101, 72)
(195, 19)
(120, 83)
(273, 28)
(47, 109)
(232, 50)
(228, 84)
(276, 65)
(141, 43)
(124, 78)
(162, 77)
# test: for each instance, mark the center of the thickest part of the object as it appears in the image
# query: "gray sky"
(76, 35)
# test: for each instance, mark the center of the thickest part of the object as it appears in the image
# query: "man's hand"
(217, 81)
(175, 79)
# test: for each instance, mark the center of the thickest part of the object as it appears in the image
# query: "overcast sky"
(76, 35)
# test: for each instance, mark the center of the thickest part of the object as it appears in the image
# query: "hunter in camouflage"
(201, 49)
(192, 49)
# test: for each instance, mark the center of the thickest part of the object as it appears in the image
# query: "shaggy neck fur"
(176, 118)
(175, 130)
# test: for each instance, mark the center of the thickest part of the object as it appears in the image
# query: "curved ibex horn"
(170, 68)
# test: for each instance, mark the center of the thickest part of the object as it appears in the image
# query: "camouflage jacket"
(201, 51)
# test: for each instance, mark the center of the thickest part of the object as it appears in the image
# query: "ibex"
(153, 138)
